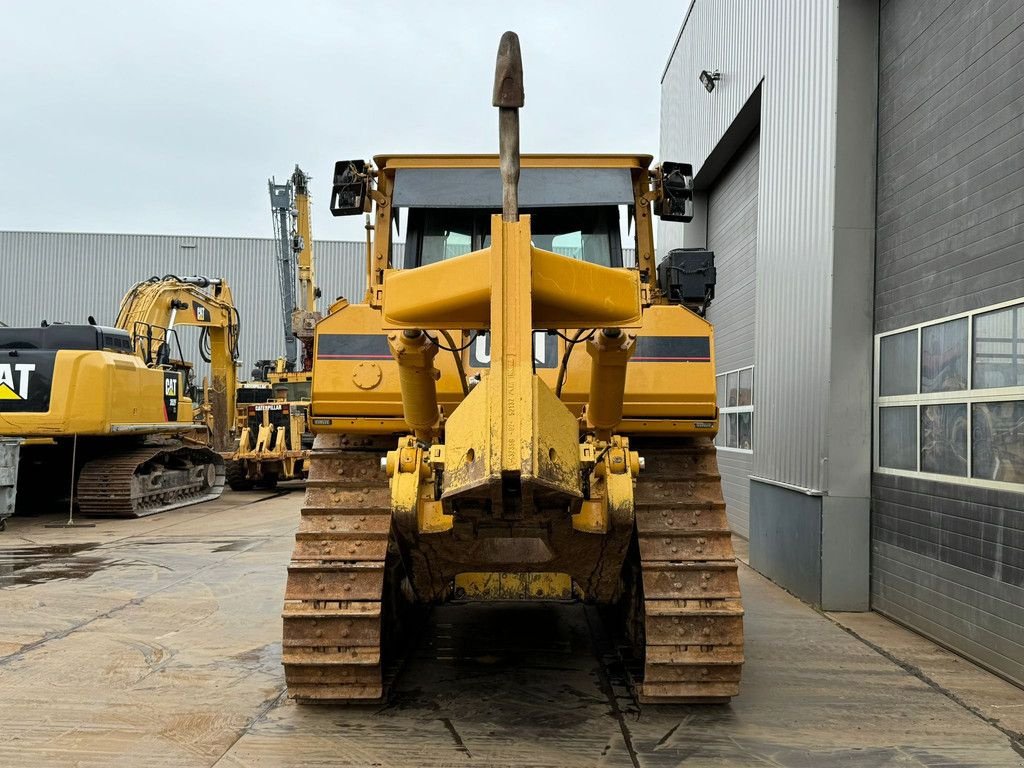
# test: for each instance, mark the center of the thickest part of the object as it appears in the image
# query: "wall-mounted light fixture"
(708, 79)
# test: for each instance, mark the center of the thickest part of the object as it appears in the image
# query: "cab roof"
(526, 161)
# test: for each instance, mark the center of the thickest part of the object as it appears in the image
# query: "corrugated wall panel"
(735, 468)
(792, 50)
(66, 276)
(948, 559)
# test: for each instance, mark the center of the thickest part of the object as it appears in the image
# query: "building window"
(736, 410)
(949, 399)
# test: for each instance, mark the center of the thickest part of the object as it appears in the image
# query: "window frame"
(968, 397)
(725, 410)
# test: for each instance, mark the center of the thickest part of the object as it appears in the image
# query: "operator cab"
(61, 336)
(587, 233)
(574, 211)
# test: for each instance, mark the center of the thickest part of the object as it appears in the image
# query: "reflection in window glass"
(897, 437)
(458, 244)
(999, 349)
(746, 393)
(944, 356)
(743, 431)
(897, 364)
(997, 448)
(944, 439)
(731, 390)
(730, 436)
(720, 384)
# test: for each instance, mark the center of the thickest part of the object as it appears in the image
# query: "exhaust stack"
(509, 98)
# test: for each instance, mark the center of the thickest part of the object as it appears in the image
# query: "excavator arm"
(151, 311)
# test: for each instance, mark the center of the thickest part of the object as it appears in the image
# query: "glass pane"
(944, 439)
(458, 244)
(997, 448)
(897, 437)
(746, 394)
(743, 430)
(720, 385)
(732, 395)
(999, 349)
(731, 436)
(897, 364)
(944, 356)
(445, 234)
(590, 233)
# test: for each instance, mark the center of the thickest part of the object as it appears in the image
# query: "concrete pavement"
(156, 642)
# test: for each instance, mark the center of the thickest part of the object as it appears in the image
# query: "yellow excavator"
(105, 414)
(516, 415)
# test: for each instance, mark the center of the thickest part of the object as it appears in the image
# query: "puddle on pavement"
(34, 565)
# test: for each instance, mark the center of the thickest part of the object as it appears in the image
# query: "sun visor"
(538, 187)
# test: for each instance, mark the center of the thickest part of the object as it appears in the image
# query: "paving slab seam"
(261, 714)
(1016, 738)
(600, 640)
(134, 602)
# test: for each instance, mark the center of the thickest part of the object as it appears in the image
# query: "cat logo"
(202, 313)
(14, 379)
(170, 386)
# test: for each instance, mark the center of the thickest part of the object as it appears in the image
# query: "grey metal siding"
(950, 159)
(735, 467)
(66, 276)
(790, 53)
(948, 560)
(732, 235)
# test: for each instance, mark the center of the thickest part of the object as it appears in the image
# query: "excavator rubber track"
(334, 598)
(691, 625)
(149, 479)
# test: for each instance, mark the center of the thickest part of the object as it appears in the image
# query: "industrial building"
(88, 274)
(859, 176)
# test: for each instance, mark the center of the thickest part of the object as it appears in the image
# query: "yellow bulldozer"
(515, 414)
(105, 415)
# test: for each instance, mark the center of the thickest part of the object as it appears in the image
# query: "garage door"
(948, 505)
(732, 235)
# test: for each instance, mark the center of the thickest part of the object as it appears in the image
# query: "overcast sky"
(168, 117)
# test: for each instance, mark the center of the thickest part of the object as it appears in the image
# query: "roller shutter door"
(732, 235)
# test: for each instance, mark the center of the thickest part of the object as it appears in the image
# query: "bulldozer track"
(691, 625)
(107, 486)
(687, 601)
(334, 598)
